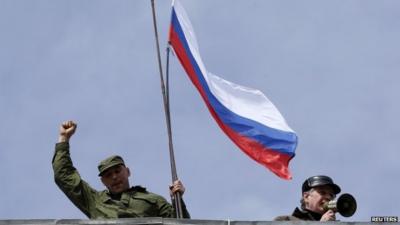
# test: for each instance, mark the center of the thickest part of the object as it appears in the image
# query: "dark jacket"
(135, 202)
(299, 214)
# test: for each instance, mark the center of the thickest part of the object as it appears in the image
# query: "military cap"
(110, 162)
(319, 180)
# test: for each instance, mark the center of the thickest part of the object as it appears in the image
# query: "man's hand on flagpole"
(177, 186)
(67, 129)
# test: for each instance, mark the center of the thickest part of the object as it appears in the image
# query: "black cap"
(319, 180)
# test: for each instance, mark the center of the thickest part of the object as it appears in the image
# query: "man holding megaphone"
(318, 204)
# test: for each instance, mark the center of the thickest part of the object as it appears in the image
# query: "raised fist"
(67, 129)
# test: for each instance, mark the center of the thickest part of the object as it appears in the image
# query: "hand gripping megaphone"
(345, 205)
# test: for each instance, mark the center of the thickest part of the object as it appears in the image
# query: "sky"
(329, 67)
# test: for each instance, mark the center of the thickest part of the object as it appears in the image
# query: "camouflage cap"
(110, 162)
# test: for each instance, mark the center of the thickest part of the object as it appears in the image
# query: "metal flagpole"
(177, 195)
(165, 94)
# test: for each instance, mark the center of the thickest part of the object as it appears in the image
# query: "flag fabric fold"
(246, 115)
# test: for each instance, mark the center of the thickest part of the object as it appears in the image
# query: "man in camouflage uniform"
(316, 192)
(120, 200)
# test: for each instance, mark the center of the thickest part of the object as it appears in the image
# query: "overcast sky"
(331, 67)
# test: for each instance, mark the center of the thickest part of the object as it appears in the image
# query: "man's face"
(116, 179)
(317, 197)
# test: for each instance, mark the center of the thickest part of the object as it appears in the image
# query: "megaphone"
(345, 205)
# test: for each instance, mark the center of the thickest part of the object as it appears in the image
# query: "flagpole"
(165, 95)
(177, 196)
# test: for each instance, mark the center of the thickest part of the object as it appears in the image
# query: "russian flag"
(246, 115)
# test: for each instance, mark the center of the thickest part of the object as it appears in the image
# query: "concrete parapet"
(167, 221)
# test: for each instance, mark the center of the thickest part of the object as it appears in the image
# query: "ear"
(306, 194)
(102, 181)
(128, 171)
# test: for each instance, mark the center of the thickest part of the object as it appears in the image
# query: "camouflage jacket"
(135, 202)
